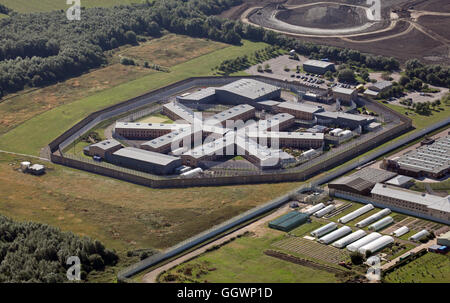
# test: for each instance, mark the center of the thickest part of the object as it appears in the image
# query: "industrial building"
(431, 161)
(247, 91)
(146, 161)
(375, 89)
(299, 110)
(444, 239)
(103, 148)
(206, 95)
(401, 181)
(345, 95)
(318, 67)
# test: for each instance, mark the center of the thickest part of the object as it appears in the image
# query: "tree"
(404, 80)
(113, 42)
(357, 258)
(346, 75)
(130, 37)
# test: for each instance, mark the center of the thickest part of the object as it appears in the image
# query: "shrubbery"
(33, 252)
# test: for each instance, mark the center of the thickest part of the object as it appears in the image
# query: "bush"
(357, 258)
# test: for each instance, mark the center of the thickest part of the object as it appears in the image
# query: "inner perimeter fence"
(202, 238)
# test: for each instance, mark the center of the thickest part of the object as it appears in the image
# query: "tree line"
(33, 252)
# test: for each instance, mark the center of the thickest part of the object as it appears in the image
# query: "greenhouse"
(381, 224)
(324, 230)
(401, 231)
(324, 211)
(373, 218)
(420, 235)
(289, 221)
(376, 245)
(337, 234)
(315, 208)
(341, 243)
(363, 241)
(355, 214)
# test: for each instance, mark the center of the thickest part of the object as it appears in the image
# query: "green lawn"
(243, 260)
(429, 268)
(3, 16)
(305, 229)
(35, 133)
(30, 6)
(420, 121)
(438, 186)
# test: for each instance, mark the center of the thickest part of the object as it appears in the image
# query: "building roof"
(180, 110)
(287, 135)
(106, 144)
(215, 147)
(318, 63)
(199, 95)
(445, 236)
(380, 85)
(341, 115)
(174, 136)
(145, 156)
(370, 92)
(229, 114)
(430, 201)
(270, 123)
(150, 126)
(343, 90)
(249, 88)
(430, 158)
(399, 180)
(269, 103)
(302, 107)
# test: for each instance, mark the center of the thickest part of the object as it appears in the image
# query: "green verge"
(31, 6)
(421, 121)
(35, 133)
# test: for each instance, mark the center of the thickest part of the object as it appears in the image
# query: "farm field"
(30, 6)
(243, 260)
(429, 268)
(52, 123)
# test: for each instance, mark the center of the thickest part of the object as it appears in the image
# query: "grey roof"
(229, 114)
(180, 110)
(287, 135)
(272, 122)
(145, 156)
(215, 147)
(364, 178)
(174, 136)
(399, 180)
(106, 144)
(430, 201)
(200, 94)
(301, 107)
(380, 85)
(269, 102)
(318, 63)
(341, 115)
(249, 88)
(343, 90)
(150, 126)
(429, 158)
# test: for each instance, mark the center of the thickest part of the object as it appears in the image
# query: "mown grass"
(31, 6)
(243, 260)
(429, 268)
(438, 186)
(25, 139)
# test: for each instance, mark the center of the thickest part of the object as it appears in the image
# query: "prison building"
(341, 119)
(345, 95)
(299, 110)
(139, 131)
(103, 148)
(177, 111)
(426, 161)
(413, 202)
(146, 161)
(269, 106)
(241, 112)
(214, 131)
(278, 122)
(375, 89)
(288, 139)
(261, 156)
(318, 67)
(360, 182)
(204, 95)
(209, 151)
(247, 91)
(173, 140)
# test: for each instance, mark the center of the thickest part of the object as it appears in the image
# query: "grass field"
(429, 268)
(243, 260)
(30, 6)
(420, 121)
(438, 186)
(171, 50)
(50, 124)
